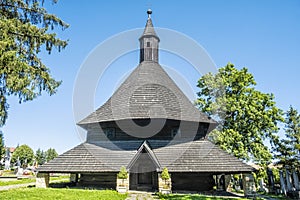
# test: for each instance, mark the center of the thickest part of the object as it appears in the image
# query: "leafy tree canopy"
(247, 117)
(26, 28)
(24, 153)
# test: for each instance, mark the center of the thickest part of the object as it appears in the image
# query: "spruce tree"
(288, 148)
(26, 29)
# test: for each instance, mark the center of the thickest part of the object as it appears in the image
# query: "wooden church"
(147, 124)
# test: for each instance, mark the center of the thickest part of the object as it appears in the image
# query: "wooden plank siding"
(103, 180)
(192, 181)
(192, 130)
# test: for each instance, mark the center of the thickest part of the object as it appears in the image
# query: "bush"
(165, 174)
(123, 174)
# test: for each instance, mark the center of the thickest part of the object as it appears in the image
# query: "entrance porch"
(147, 181)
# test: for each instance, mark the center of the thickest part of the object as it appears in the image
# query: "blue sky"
(263, 36)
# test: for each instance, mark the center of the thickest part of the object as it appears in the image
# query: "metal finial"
(149, 12)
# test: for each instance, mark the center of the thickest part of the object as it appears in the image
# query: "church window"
(110, 132)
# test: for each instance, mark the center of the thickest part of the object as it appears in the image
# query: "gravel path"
(141, 196)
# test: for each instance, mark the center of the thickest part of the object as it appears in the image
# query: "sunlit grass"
(15, 182)
(56, 194)
(64, 178)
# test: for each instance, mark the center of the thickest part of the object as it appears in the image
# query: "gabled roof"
(177, 156)
(150, 153)
(148, 92)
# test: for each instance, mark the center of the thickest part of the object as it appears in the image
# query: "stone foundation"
(164, 186)
(122, 185)
(42, 180)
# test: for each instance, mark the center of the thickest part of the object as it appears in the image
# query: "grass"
(7, 173)
(202, 197)
(57, 194)
(278, 197)
(59, 179)
(15, 182)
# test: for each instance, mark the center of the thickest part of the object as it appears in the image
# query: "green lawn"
(15, 182)
(202, 197)
(56, 194)
(32, 180)
(277, 197)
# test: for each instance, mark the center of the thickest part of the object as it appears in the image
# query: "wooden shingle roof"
(199, 156)
(148, 92)
(106, 156)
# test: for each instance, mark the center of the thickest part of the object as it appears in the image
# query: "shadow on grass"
(190, 197)
(61, 185)
(75, 186)
(209, 196)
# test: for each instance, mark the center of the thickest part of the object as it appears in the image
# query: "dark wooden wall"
(129, 132)
(103, 180)
(192, 181)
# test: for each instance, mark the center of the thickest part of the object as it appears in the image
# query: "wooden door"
(145, 178)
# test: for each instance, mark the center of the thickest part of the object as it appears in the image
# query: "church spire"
(149, 42)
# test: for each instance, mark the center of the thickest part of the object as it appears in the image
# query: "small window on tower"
(148, 44)
(110, 132)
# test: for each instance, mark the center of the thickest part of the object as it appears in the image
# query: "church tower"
(149, 42)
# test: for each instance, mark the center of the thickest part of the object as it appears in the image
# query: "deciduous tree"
(26, 28)
(24, 153)
(247, 117)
